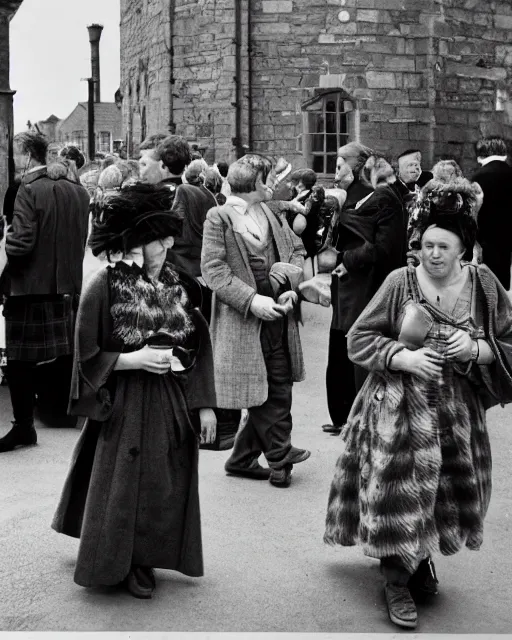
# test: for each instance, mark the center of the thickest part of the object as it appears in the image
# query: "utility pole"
(90, 121)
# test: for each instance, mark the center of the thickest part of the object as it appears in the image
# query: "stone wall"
(7, 10)
(422, 73)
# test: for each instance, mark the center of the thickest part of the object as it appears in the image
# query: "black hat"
(137, 215)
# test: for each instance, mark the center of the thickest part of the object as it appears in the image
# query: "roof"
(105, 114)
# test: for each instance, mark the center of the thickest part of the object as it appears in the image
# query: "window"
(78, 139)
(328, 124)
(104, 141)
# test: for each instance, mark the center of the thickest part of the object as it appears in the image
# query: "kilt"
(39, 328)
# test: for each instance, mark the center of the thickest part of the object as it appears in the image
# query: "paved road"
(266, 567)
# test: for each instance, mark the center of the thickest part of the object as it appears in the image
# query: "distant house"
(48, 127)
(108, 126)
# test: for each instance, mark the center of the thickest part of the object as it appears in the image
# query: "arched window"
(328, 122)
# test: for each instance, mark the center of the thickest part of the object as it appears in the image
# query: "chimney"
(94, 38)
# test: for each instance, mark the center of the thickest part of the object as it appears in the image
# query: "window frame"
(351, 133)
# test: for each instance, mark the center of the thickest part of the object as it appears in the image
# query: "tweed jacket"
(240, 372)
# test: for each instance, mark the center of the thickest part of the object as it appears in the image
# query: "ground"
(266, 567)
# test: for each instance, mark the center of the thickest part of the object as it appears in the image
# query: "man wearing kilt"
(45, 248)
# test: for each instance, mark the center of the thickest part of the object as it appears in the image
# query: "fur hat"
(137, 215)
(448, 205)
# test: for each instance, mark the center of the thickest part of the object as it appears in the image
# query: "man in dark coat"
(494, 217)
(372, 242)
(45, 249)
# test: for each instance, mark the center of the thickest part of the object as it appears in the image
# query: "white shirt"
(238, 204)
(484, 161)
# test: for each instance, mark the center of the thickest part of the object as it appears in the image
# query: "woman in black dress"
(143, 376)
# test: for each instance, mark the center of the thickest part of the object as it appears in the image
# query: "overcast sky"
(50, 53)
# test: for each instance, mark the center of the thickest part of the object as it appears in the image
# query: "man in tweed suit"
(45, 249)
(256, 344)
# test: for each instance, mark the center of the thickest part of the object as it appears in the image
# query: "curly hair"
(449, 205)
(137, 215)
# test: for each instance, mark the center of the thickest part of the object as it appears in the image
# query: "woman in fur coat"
(415, 474)
(143, 376)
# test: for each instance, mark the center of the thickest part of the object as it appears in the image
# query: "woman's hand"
(296, 207)
(340, 270)
(208, 421)
(425, 363)
(264, 307)
(152, 360)
(459, 346)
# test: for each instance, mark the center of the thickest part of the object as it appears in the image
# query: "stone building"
(301, 77)
(7, 10)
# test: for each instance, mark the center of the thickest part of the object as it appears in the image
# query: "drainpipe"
(172, 11)
(249, 74)
(237, 140)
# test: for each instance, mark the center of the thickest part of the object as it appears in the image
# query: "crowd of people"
(189, 336)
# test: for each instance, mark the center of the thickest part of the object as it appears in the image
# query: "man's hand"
(287, 301)
(264, 308)
(208, 421)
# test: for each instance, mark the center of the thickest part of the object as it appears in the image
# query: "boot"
(19, 436)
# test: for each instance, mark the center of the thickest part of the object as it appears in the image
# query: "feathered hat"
(448, 205)
(137, 215)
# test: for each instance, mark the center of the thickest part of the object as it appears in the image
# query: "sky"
(50, 53)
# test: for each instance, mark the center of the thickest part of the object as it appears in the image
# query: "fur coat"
(415, 478)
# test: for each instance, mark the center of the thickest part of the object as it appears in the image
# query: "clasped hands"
(265, 308)
(427, 363)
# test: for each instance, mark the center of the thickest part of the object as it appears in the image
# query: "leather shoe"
(401, 607)
(281, 477)
(18, 436)
(294, 456)
(134, 586)
(331, 428)
(423, 582)
(254, 471)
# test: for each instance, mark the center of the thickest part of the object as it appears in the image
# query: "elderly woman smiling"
(415, 475)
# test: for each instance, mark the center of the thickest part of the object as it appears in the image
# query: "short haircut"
(295, 176)
(491, 146)
(212, 180)
(73, 153)
(174, 152)
(223, 168)
(34, 143)
(152, 141)
(243, 174)
(308, 178)
(407, 152)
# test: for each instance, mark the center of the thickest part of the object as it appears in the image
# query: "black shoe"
(423, 583)
(331, 428)
(294, 456)
(18, 436)
(254, 471)
(281, 477)
(135, 587)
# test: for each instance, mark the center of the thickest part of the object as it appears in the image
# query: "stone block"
(277, 6)
(502, 21)
(472, 71)
(332, 81)
(271, 28)
(381, 80)
(398, 63)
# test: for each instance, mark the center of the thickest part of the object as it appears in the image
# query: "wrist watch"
(475, 351)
